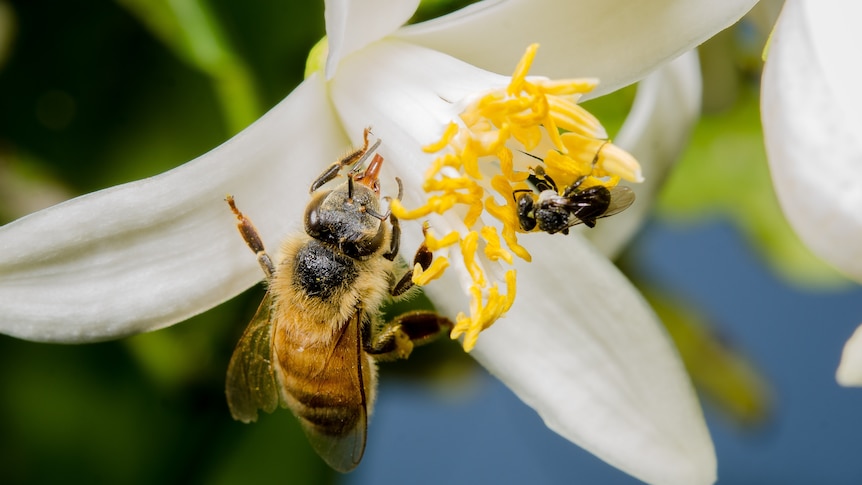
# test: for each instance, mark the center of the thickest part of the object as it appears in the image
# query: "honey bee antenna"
(350, 187)
(359, 163)
(400, 188)
(373, 213)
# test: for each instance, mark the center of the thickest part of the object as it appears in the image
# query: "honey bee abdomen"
(330, 418)
(321, 272)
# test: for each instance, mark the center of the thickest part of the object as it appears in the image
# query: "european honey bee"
(554, 211)
(314, 342)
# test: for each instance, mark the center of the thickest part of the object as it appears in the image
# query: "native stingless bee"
(554, 211)
(315, 340)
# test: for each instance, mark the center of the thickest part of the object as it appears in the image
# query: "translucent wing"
(621, 199)
(251, 382)
(338, 434)
(587, 206)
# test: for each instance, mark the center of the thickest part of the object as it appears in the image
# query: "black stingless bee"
(553, 211)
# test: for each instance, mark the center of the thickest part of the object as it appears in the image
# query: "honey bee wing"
(251, 382)
(342, 443)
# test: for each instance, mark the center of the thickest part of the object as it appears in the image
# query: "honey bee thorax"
(347, 222)
(322, 273)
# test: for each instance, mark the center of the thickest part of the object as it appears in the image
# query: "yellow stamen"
(489, 154)
(438, 266)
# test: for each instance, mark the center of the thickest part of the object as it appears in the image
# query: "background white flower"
(810, 107)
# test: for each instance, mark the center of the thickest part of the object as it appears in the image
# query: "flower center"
(531, 158)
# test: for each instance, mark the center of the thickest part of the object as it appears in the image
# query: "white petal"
(154, 252)
(353, 24)
(850, 369)
(407, 94)
(656, 132)
(583, 349)
(617, 41)
(811, 108)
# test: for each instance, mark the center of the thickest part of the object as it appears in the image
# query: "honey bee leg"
(252, 238)
(349, 159)
(397, 338)
(423, 258)
(395, 240)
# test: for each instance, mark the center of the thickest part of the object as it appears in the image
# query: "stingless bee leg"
(252, 238)
(355, 157)
(396, 339)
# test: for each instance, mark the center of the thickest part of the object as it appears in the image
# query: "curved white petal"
(353, 24)
(811, 108)
(617, 41)
(583, 349)
(408, 94)
(656, 132)
(849, 371)
(154, 252)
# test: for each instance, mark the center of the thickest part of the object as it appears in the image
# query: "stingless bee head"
(349, 216)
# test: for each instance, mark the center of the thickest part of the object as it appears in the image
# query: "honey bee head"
(348, 216)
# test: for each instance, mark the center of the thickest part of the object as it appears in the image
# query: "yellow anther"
(435, 270)
(450, 133)
(521, 70)
(469, 246)
(435, 244)
(573, 118)
(510, 288)
(566, 87)
(564, 169)
(493, 249)
(616, 161)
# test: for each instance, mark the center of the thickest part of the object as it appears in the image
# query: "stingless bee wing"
(585, 205)
(338, 433)
(621, 198)
(251, 382)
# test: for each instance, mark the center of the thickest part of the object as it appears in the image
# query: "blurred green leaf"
(190, 29)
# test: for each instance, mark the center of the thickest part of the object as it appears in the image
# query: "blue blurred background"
(99, 94)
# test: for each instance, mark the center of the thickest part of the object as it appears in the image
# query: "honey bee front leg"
(350, 159)
(397, 338)
(395, 239)
(252, 239)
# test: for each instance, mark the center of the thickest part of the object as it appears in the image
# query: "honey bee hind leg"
(396, 339)
(252, 238)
